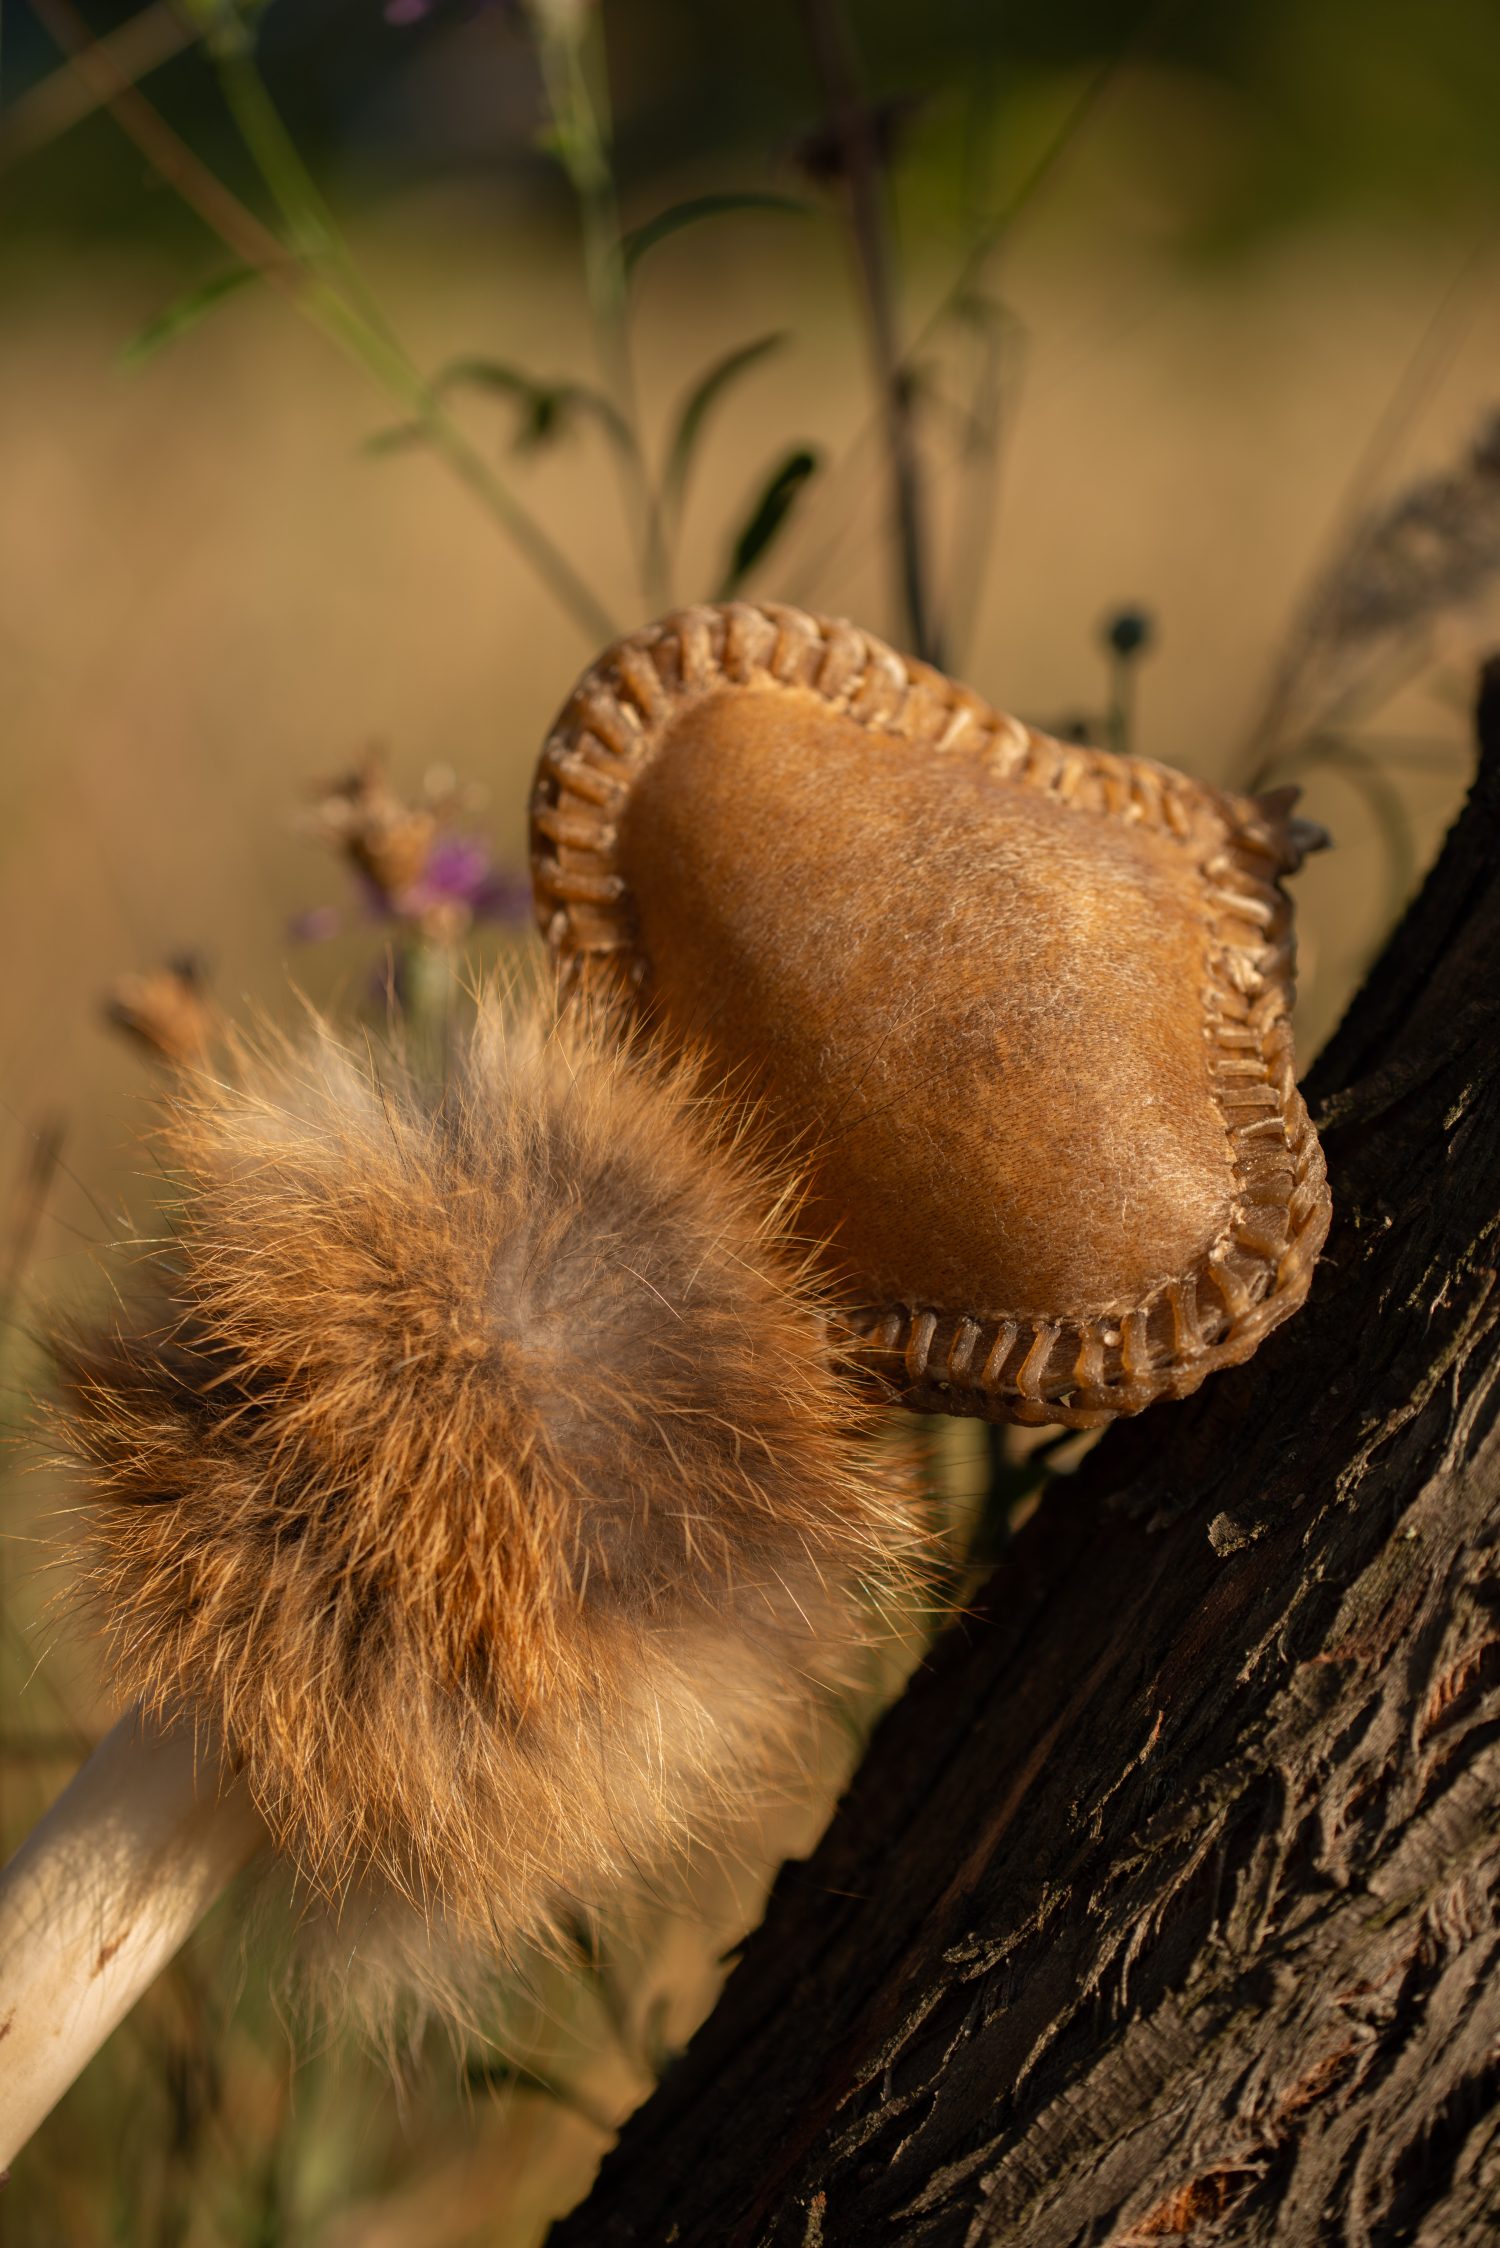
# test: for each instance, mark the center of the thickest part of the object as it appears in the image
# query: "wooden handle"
(100, 1896)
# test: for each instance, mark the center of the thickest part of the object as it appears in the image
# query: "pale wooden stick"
(100, 1896)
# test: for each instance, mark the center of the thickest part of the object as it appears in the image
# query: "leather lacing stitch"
(1090, 1365)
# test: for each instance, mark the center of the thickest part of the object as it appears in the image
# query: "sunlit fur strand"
(475, 1469)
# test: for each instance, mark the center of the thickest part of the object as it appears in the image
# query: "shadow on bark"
(1164, 1904)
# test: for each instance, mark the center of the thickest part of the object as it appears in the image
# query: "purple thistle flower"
(315, 924)
(461, 883)
(433, 882)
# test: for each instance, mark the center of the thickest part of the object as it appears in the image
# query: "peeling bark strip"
(1165, 1904)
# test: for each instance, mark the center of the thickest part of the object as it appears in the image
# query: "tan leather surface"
(974, 1011)
(1019, 1007)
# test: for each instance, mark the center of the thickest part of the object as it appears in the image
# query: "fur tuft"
(475, 1469)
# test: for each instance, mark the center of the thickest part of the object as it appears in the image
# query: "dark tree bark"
(1164, 1905)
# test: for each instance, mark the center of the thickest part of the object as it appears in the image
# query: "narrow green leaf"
(545, 411)
(575, 399)
(767, 518)
(485, 374)
(183, 313)
(400, 437)
(699, 404)
(634, 245)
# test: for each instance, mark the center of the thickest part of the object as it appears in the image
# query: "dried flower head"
(822, 153)
(166, 1011)
(473, 1465)
(1436, 547)
(385, 839)
(414, 866)
(1128, 632)
(1404, 571)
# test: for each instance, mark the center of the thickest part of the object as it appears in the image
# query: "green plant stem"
(570, 51)
(1119, 724)
(389, 366)
(313, 232)
(978, 475)
(991, 236)
(338, 306)
(850, 123)
(319, 244)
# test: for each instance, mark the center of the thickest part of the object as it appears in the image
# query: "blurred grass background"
(1251, 292)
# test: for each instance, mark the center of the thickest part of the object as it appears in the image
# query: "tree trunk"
(1164, 1904)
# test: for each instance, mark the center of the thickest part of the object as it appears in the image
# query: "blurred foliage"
(1267, 112)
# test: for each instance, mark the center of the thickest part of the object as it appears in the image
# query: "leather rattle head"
(1017, 1009)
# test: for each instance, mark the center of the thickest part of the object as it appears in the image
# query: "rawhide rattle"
(1017, 1008)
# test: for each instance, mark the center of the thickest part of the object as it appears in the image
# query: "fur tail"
(473, 1465)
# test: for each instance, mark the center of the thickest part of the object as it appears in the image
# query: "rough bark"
(1164, 1905)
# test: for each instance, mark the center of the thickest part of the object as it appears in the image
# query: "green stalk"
(388, 365)
(1119, 721)
(834, 59)
(341, 304)
(312, 230)
(570, 51)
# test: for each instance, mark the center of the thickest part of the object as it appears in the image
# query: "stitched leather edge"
(1097, 1363)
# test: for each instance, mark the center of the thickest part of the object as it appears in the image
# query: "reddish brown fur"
(476, 1471)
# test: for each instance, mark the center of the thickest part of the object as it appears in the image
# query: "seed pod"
(1019, 1007)
(474, 1471)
